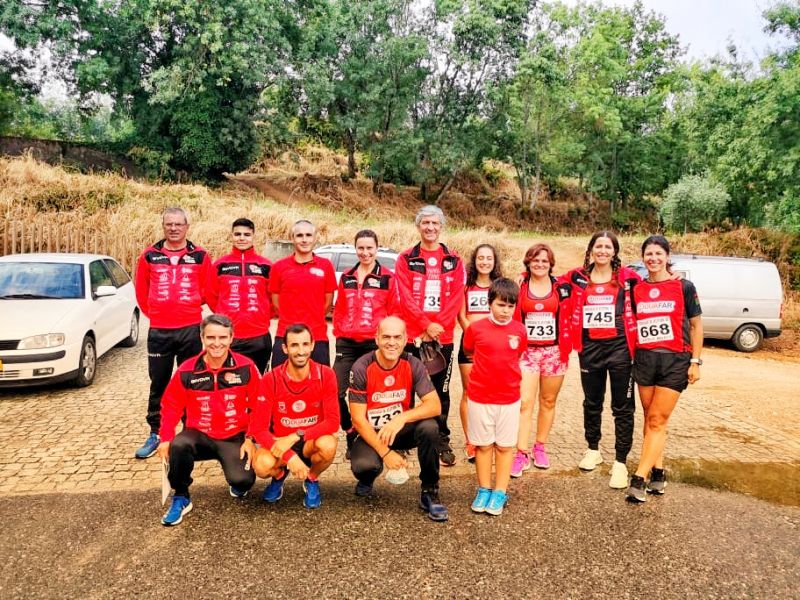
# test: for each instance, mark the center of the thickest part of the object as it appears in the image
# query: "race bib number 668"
(655, 329)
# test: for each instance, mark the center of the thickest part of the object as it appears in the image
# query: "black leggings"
(347, 352)
(422, 435)
(441, 381)
(258, 349)
(191, 445)
(164, 347)
(617, 367)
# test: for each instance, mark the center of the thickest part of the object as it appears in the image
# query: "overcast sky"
(706, 26)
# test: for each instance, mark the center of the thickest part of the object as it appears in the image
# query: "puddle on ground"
(734, 434)
(774, 482)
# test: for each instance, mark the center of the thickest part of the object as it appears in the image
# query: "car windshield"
(29, 280)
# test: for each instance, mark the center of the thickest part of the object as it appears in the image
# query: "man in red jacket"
(295, 420)
(214, 390)
(173, 280)
(241, 291)
(430, 280)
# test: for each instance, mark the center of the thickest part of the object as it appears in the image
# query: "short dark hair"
(504, 289)
(297, 328)
(243, 222)
(657, 240)
(216, 319)
(366, 233)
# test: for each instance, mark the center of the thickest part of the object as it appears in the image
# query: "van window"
(388, 262)
(346, 261)
(327, 255)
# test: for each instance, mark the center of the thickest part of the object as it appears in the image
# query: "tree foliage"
(693, 204)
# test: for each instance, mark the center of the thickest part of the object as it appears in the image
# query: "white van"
(742, 298)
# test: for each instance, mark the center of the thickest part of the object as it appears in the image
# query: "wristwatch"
(301, 433)
(696, 361)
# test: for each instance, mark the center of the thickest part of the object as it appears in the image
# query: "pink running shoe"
(522, 462)
(540, 458)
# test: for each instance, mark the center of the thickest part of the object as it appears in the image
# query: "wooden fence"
(20, 237)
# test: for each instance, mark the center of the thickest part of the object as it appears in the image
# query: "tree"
(175, 67)
(693, 203)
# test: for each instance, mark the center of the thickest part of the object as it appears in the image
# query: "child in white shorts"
(495, 344)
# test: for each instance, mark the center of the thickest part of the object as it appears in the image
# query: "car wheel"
(133, 337)
(87, 366)
(748, 338)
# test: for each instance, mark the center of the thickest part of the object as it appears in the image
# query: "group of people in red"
(394, 344)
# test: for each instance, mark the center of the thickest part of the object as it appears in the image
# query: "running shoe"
(591, 458)
(274, 491)
(350, 438)
(180, 506)
(149, 447)
(540, 458)
(313, 497)
(446, 455)
(636, 491)
(470, 451)
(481, 500)
(430, 503)
(363, 490)
(619, 476)
(658, 482)
(520, 464)
(497, 502)
(238, 493)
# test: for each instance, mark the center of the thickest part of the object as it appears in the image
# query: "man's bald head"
(391, 340)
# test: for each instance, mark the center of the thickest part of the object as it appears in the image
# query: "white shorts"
(489, 424)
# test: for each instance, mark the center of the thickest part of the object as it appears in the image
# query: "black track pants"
(258, 349)
(441, 381)
(347, 352)
(164, 347)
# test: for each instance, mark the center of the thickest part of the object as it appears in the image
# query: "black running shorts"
(662, 369)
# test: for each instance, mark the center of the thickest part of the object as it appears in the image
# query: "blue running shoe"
(497, 502)
(237, 493)
(312, 498)
(149, 447)
(481, 500)
(180, 506)
(430, 503)
(274, 491)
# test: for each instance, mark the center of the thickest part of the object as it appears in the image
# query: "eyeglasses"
(175, 225)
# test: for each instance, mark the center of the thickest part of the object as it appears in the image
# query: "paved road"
(63, 439)
(561, 537)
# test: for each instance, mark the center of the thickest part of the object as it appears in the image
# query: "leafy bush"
(693, 203)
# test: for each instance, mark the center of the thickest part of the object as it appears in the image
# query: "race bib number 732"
(378, 417)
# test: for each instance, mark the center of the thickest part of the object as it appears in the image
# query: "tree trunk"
(536, 186)
(350, 142)
(446, 187)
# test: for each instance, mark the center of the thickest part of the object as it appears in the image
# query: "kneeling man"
(295, 420)
(382, 388)
(214, 390)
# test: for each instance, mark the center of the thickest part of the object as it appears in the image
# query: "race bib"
(378, 417)
(433, 296)
(541, 326)
(655, 329)
(600, 316)
(478, 302)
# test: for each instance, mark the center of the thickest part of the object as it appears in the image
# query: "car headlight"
(36, 342)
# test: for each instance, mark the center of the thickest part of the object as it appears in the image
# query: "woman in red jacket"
(366, 294)
(603, 333)
(544, 309)
(483, 269)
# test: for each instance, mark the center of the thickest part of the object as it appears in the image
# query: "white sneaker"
(619, 476)
(591, 458)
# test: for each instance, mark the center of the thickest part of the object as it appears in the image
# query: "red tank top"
(600, 309)
(540, 316)
(661, 316)
(476, 300)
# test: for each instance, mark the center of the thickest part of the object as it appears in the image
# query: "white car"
(58, 313)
